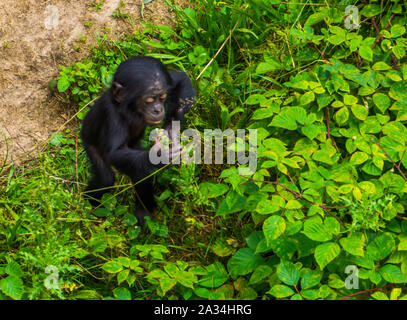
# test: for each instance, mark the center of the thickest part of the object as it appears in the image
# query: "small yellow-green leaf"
(358, 157)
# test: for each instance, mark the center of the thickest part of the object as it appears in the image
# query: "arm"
(182, 96)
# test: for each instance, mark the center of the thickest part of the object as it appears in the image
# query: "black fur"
(112, 129)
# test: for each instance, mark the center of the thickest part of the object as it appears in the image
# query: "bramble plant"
(329, 105)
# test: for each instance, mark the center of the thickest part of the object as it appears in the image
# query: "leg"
(102, 176)
(145, 202)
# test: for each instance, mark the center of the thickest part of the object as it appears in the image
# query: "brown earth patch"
(35, 38)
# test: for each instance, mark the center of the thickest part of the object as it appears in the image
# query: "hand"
(167, 150)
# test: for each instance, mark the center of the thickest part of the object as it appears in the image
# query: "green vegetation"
(329, 105)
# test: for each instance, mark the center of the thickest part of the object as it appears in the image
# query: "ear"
(118, 91)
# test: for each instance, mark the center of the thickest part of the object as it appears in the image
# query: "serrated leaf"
(273, 227)
(12, 286)
(310, 278)
(325, 253)
(316, 230)
(288, 273)
(382, 101)
(281, 291)
(392, 274)
(354, 244)
(244, 261)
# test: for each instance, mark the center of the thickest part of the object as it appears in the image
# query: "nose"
(157, 110)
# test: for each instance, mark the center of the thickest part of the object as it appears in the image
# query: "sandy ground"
(36, 36)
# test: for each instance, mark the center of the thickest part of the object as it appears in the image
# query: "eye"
(149, 100)
(163, 96)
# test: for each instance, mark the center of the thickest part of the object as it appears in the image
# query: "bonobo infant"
(143, 93)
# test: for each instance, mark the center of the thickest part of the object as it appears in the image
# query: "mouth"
(150, 122)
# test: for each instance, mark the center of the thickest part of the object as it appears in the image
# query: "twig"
(378, 37)
(366, 291)
(388, 157)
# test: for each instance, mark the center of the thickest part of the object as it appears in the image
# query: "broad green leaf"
(63, 84)
(307, 98)
(399, 51)
(167, 283)
(325, 253)
(349, 99)
(264, 67)
(366, 53)
(262, 113)
(262, 272)
(112, 267)
(381, 246)
(392, 274)
(341, 116)
(281, 291)
(316, 230)
(288, 273)
(397, 31)
(353, 244)
(358, 157)
(273, 227)
(216, 276)
(310, 278)
(382, 101)
(370, 10)
(360, 112)
(244, 261)
(12, 286)
(381, 66)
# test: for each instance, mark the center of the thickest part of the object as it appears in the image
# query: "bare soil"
(35, 38)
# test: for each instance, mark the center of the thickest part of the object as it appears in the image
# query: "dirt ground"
(35, 38)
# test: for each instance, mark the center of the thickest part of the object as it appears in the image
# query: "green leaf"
(273, 227)
(392, 274)
(264, 67)
(310, 278)
(381, 66)
(341, 116)
(288, 273)
(112, 267)
(370, 10)
(216, 276)
(360, 112)
(382, 101)
(244, 261)
(316, 230)
(325, 253)
(366, 53)
(167, 283)
(122, 276)
(358, 157)
(354, 244)
(381, 246)
(397, 31)
(12, 286)
(307, 98)
(262, 113)
(280, 291)
(63, 84)
(262, 272)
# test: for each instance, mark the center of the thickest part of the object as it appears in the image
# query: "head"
(140, 88)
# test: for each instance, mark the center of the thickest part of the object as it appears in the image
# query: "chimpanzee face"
(151, 106)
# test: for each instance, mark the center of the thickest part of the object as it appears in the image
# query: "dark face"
(151, 106)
